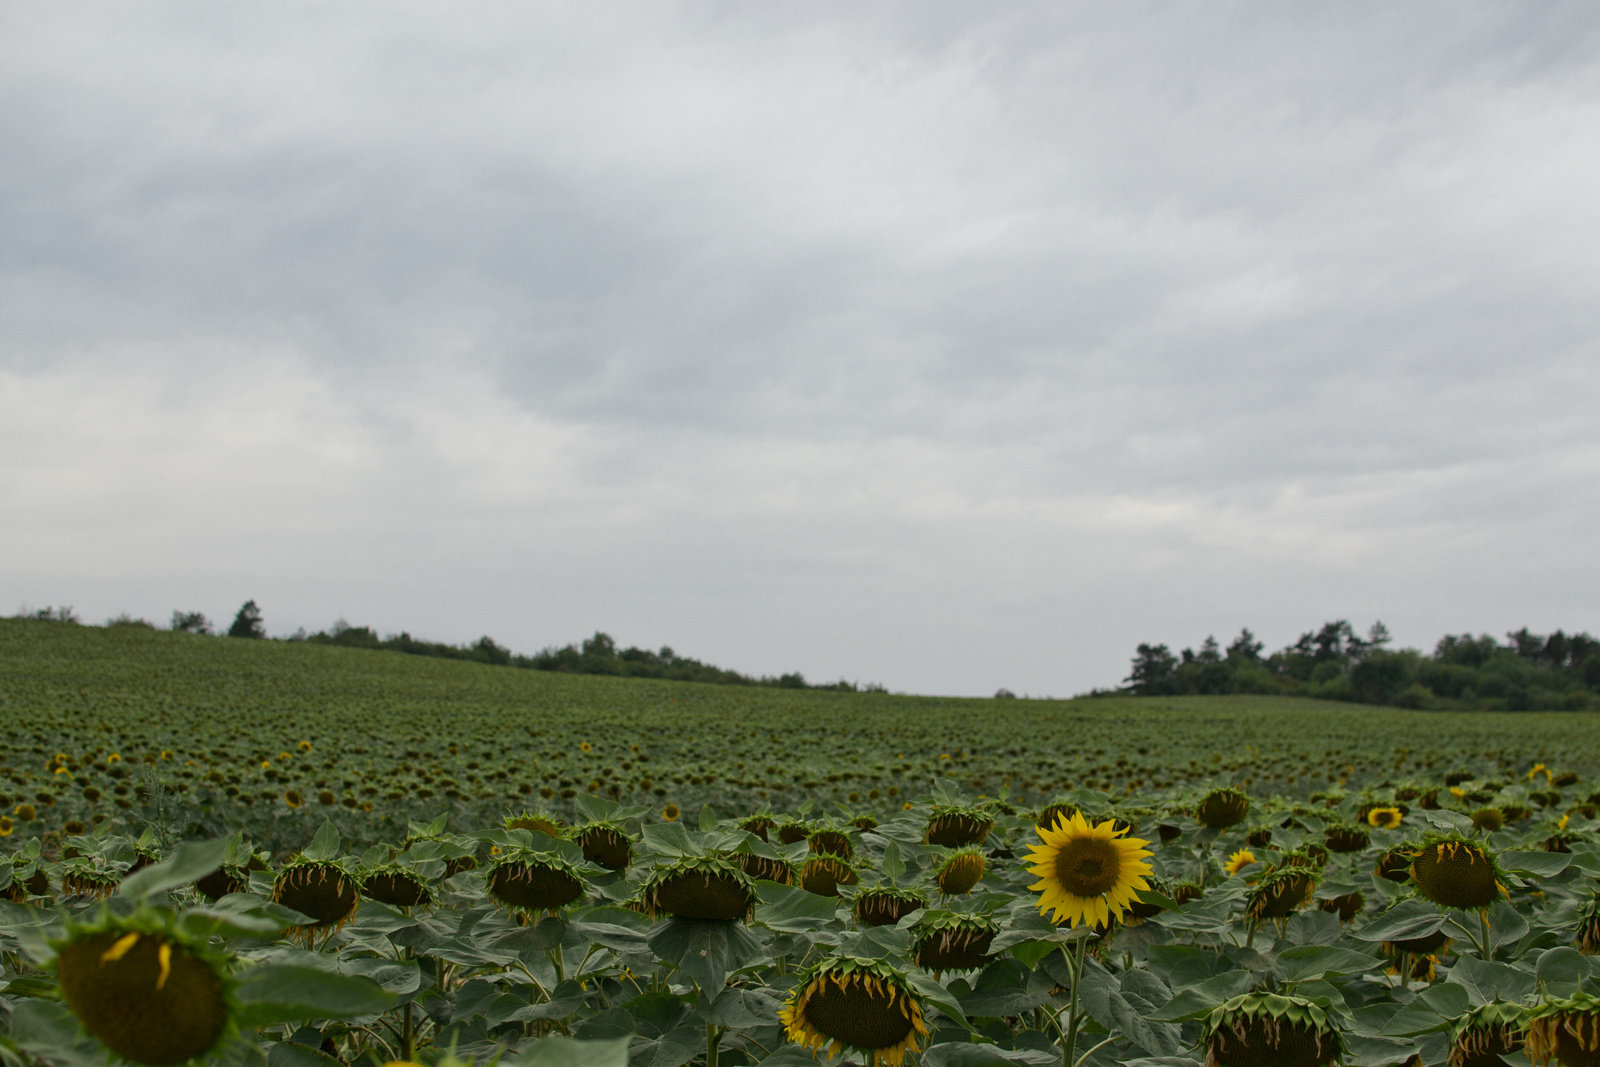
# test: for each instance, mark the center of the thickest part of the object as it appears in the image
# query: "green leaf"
(790, 1056)
(294, 1054)
(1361, 1050)
(191, 862)
(1506, 925)
(938, 996)
(1561, 971)
(275, 993)
(1197, 1000)
(705, 950)
(325, 846)
(1486, 982)
(892, 864)
(708, 819)
(572, 1052)
(1535, 864)
(791, 910)
(1406, 921)
(1106, 1004)
(967, 1054)
(1004, 989)
(1441, 819)
(1317, 961)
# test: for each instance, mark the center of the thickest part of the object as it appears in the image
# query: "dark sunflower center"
(1088, 867)
(856, 1015)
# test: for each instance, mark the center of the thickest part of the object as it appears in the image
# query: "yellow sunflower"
(1384, 818)
(1087, 874)
(851, 1004)
(1239, 861)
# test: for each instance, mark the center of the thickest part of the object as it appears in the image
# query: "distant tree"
(1154, 670)
(1245, 647)
(1525, 644)
(191, 622)
(1004, 694)
(1378, 635)
(601, 644)
(248, 622)
(63, 614)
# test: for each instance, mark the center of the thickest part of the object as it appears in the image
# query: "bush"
(191, 622)
(248, 622)
(1414, 696)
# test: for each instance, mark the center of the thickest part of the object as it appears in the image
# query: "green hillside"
(222, 722)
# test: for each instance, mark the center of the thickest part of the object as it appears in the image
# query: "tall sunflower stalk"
(1089, 876)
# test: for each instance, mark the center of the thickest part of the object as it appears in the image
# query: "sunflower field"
(606, 873)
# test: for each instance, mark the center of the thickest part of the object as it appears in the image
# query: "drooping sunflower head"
(961, 870)
(790, 832)
(1566, 1030)
(1342, 837)
(956, 825)
(864, 822)
(764, 868)
(326, 891)
(1259, 838)
(713, 888)
(143, 990)
(1223, 807)
(540, 821)
(1488, 820)
(1414, 959)
(1394, 865)
(526, 882)
(1269, 1030)
(1238, 861)
(1141, 908)
(1486, 1033)
(81, 878)
(1087, 874)
(823, 874)
(849, 1004)
(1046, 817)
(1588, 941)
(828, 839)
(396, 886)
(885, 905)
(1281, 893)
(1456, 873)
(1346, 905)
(604, 843)
(760, 825)
(951, 941)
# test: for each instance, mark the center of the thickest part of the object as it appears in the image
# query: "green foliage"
(1528, 672)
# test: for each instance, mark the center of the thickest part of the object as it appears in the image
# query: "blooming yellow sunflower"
(1239, 861)
(1384, 818)
(1087, 874)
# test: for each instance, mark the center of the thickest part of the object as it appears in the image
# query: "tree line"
(595, 655)
(1526, 672)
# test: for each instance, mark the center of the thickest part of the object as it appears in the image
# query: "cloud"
(943, 347)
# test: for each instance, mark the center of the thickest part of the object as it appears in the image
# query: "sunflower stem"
(1097, 1048)
(1069, 1039)
(713, 1037)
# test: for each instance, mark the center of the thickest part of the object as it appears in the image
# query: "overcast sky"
(944, 346)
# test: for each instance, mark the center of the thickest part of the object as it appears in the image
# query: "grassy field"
(235, 727)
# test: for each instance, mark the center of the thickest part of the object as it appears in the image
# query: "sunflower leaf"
(190, 863)
(1406, 921)
(1535, 864)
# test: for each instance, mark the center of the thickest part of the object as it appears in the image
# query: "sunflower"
(1588, 941)
(1239, 861)
(765, 868)
(7, 827)
(1342, 838)
(708, 888)
(323, 890)
(1281, 893)
(1222, 808)
(961, 871)
(1456, 873)
(526, 882)
(1415, 958)
(1566, 1030)
(535, 822)
(854, 1004)
(833, 842)
(1484, 1035)
(671, 812)
(886, 905)
(1394, 865)
(144, 991)
(1488, 820)
(222, 881)
(824, 874)
(1269, 1030)
(955, 825)
(947, 941)
(759, 825)
(605, 844)
(1346, 905)
(1087, 874)
(397, 886)
(1384, 818)
(293, 798)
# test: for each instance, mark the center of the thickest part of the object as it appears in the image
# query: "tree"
(1245, 647)
(248, 622)
(191, 622)
(1154, 670)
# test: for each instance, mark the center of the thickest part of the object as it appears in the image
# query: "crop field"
(259, 852)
